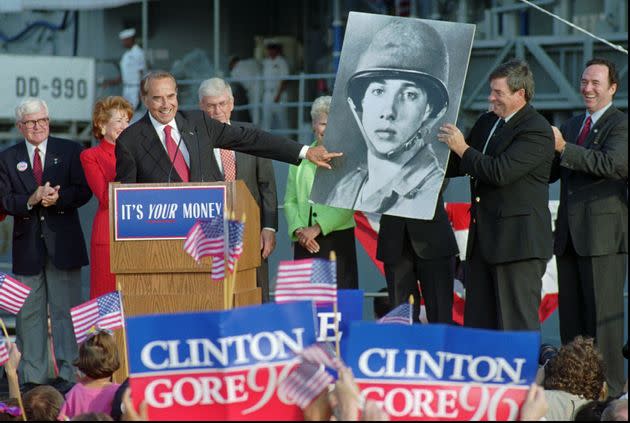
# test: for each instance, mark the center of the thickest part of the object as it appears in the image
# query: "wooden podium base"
(177, 292)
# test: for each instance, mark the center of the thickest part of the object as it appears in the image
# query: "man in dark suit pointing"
(216, 99)
(591, 238)
(170, 146)
(508, 156)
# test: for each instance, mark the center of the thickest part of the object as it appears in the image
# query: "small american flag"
(401, 315)
(104, 312)
(305, 383)
(321, 353)
(4, 353)
(205, 238)
(235, 249)
(13, 294)
(307, 279)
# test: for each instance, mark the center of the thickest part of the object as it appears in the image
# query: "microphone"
(170, 171)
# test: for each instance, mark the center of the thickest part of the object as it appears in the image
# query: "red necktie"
(585, 130)
(176, 157)
(229, 164)
(38, 172)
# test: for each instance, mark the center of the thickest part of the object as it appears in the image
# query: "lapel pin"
(595, 130)
(22, 166)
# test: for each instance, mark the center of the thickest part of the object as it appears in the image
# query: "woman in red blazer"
(110, 117)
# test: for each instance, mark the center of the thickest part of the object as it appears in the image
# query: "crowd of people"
(511, 155)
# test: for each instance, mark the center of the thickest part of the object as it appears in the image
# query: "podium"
(155, 274)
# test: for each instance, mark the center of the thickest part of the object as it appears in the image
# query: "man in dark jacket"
(591, 238)
(508, 156)
(42, 185)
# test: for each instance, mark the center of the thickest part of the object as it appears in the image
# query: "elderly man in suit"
(216, 99)
(42, 185)
(591, 238)
(508, 155)
(170, 146)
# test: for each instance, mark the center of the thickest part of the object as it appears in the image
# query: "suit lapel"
(153, 146)
(593, 136)
(26, 176)
(505, 135)
(189, 138)
(241, 166)
(52, 160)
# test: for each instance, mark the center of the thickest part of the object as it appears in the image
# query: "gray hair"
(29, 106)
(321, 106)
(215, 87)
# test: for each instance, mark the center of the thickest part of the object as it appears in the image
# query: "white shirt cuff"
(270, 229)
(303, 152)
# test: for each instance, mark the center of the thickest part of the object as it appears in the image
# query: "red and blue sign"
(441, 372)
(223, 365)
(164, 212)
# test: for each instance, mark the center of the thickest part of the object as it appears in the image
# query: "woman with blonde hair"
(110, 117)
(318, 229)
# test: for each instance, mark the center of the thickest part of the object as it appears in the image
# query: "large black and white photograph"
(398, 79)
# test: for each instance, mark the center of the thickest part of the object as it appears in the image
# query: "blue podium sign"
(164, 212)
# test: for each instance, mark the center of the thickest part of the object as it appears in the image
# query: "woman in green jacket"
(317, 229)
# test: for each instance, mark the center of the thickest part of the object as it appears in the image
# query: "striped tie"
(38, 171)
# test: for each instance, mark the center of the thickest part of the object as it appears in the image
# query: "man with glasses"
(217, 101)
(42, 185)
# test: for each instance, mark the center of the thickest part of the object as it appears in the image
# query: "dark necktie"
(38, 171)
(585, 131)
(176, 157)
(229, 164)
(491, 140)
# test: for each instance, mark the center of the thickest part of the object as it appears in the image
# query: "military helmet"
(411, 50)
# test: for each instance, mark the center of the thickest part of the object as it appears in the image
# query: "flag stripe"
(13, 294)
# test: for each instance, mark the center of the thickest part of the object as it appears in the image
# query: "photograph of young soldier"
(395, 84)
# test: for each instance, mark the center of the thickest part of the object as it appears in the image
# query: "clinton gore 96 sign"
(163, 212)
(440, 372)
(221, 365)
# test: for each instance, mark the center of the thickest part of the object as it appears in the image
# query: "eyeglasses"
(10, 410)
(222, 105)
(30, 124)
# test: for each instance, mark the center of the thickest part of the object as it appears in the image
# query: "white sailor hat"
(126, 33)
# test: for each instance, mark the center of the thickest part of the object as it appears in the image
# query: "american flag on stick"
(235, 246)
(307, 279)
(104, 312)
(401, 315)
(206, 238)
(321, 353)
(4, 353)
(13, 294)
(305, 383)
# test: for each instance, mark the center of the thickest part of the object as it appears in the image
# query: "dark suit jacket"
(510, 219)
(259, 176)
(594, 187)
(140, 156)
(56, 227)
(430, 239)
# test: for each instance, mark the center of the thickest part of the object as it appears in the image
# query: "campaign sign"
(222, 365)
(349, 309)
(163, 212)
(441, 372)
